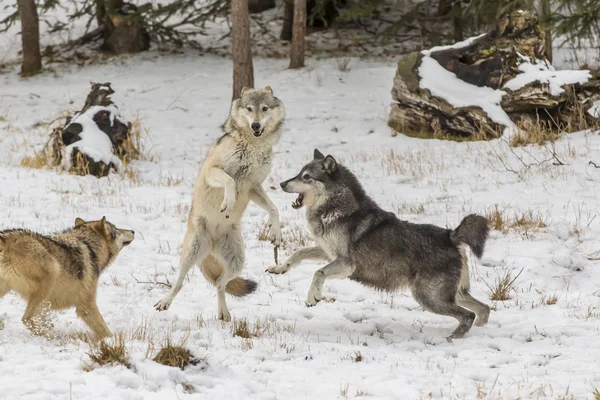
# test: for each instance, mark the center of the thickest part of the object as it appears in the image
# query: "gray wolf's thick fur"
(229, 178)
(62, 269)
(372, 246)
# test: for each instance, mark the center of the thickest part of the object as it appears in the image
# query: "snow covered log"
(95, 139)
(490, 84)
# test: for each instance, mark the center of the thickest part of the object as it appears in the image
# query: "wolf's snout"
(283, 185)
(256, 128)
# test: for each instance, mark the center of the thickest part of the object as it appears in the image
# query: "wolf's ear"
(318, 155)
(103, 222)
(329, 164)
(268, 89)
(79, 221)
(244, 88)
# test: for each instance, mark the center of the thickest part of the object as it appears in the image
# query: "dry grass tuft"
(496, 218)
(596, 394)
(240, 328)
(173, 355)
(540, 133)
(40, 159)
(504, 286)
(525, 221)
(104, 353)
(550, 301)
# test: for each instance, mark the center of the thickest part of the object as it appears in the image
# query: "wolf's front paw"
(275, 233)
(163, 305)
(279, 269)
(228, 205)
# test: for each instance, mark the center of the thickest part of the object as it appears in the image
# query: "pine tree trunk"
(546, 15)
(100, 12)
(243, 71)
(30, 37)
(288, 20)
(457, 21)
(299, 33)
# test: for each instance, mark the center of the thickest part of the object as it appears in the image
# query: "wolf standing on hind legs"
(372, 246)
(229, 178)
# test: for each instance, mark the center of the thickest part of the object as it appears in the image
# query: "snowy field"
(541, 343)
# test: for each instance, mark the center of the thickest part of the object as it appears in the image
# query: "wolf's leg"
(216, 177)
(37, 297)
(260, 197)
(337, 269)
(196, 246)
(436, 296)
(90, 314)
(307, 253)
(230, 251)
(464, 299)
(4, 289)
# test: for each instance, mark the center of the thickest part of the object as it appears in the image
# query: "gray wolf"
(231, 176)
(372, 246)
(62, 268)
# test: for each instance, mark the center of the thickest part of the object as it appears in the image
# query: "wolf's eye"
(249, 109)
(306, 177)
(265, 108)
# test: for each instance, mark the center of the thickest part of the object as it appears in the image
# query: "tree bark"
(457, 21)
(100, 12)
(30, 37)
(288, 20)
(546, 15)
(125, 33)
(243, 71)
(299, 33)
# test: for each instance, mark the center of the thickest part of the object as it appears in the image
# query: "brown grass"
(504, 286)
(540, 132)
(529, 220)
(173, 355)
(105, 353)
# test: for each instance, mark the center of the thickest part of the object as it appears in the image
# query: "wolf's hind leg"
(307, 253)
(440, 299)
(4, 289)
(482, 310)
(90, 314)
(196, 246)
(337, 269)
(36, 299)
(230, 251)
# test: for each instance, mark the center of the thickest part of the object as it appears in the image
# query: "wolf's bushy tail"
(238, 287)
(472, 231)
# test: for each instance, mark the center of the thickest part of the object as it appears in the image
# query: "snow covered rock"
(489, 85)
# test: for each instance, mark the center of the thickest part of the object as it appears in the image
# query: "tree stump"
(509, 63)
(97, 124)
(124, 29)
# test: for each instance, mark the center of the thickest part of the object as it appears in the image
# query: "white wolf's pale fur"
(229, 178)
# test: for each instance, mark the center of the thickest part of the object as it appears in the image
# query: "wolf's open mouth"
(258, 133)
(299, 201)
(127, 243)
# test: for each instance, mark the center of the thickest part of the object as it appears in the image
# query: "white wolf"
(230, 176)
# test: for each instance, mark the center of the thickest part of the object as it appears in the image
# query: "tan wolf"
(231, 176)
(62, 268)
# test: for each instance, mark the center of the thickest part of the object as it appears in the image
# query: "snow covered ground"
(541, 343)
